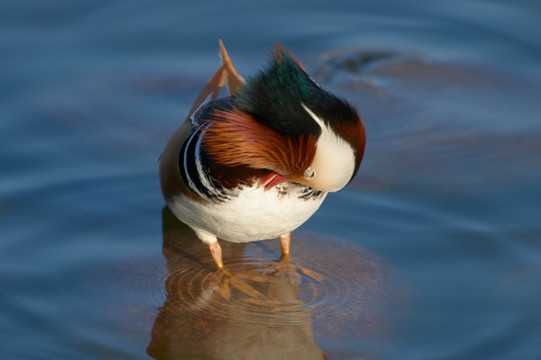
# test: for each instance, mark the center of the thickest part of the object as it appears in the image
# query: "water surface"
(445, 208)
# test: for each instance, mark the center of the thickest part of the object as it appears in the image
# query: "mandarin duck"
(257, 164)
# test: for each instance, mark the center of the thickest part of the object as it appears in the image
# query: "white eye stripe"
(334, 160)
(315, 117)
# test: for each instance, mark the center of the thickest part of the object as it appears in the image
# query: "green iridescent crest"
(274, 96)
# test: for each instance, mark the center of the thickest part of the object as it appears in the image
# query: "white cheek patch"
(334, 161)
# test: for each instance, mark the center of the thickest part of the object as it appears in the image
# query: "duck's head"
(284, 122)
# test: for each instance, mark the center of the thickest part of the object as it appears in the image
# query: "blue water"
(448, 197)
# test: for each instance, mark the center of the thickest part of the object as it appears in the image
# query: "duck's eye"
(309, 173)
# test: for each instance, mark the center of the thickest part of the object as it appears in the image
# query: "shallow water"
(444, 213)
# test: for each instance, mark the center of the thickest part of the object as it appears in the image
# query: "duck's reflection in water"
(258, 311)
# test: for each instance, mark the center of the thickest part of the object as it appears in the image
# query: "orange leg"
(216, 253)
(285, 240)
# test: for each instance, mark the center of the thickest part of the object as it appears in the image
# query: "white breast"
(252, 214)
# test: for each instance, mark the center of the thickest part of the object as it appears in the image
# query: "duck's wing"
(234, 80)
(226, 72)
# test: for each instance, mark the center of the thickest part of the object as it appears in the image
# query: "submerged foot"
(224, 280)
(285, 266)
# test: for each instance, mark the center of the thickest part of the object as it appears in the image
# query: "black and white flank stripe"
(195, 173)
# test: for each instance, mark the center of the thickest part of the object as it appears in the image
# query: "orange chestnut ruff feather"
(235, 138)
